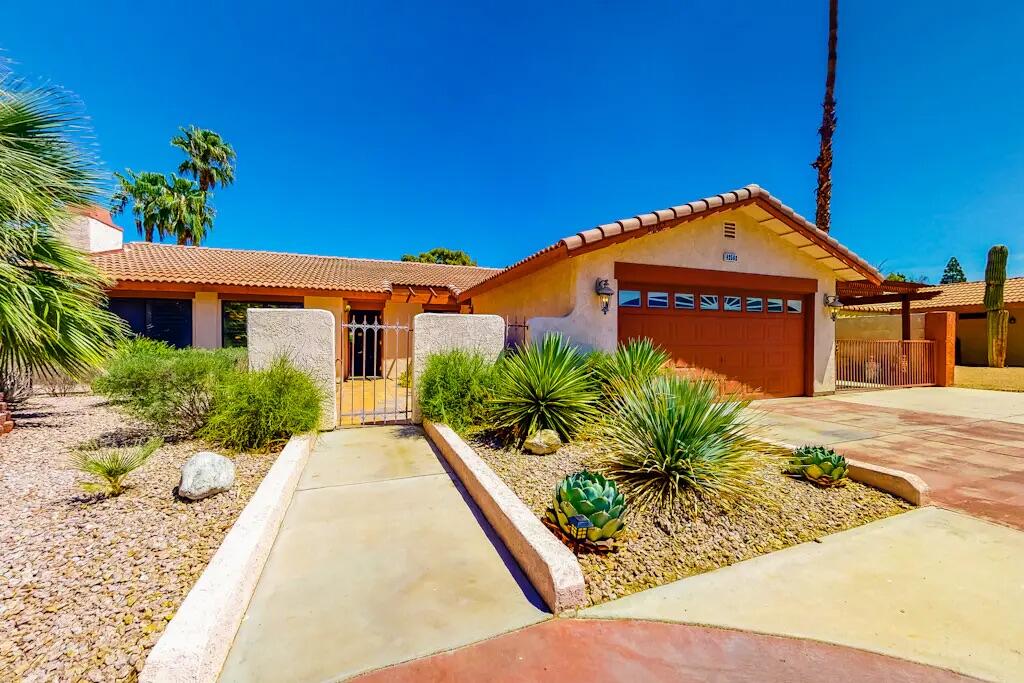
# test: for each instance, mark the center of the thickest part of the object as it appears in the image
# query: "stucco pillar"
(206, 333)
(940, 327)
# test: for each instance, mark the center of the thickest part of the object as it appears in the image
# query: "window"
(657, 299)
(755, 304)
(166, 320)
(233, 318)
(709, 302)
(629, 298)
(684, 301)
(732, 303)
(775, 306)
(794, 305)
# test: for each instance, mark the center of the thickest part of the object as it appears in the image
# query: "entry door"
(366, 344)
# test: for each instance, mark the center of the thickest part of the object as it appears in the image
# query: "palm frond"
(109, 468)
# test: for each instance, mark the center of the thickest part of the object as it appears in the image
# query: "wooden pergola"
(863, 292)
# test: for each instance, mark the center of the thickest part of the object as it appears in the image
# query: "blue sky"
(376, 128)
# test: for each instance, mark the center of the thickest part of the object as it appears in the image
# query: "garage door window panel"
(755, 304)
(775, 306)
(629, 298)
(657, 299)
(732, 303)
(709, 302)
(684, 301)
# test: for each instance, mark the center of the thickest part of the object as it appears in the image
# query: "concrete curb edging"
(905, 485)
(551, 567)
(196, 642)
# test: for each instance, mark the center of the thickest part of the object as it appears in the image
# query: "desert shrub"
(15, 385)
(819, 464)
(634, 363)
(108, 468)
(259, 410)
(170, 389)
(454, 388)
(674, 435)
(58, 384)
(543, 386)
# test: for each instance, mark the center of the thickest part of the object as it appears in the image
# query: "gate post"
(305, 336)
(940, 327)
(438, 332)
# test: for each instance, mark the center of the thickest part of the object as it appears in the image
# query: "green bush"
(454, 388)
(544, 386)
(259, 410)
(674, 435)
(170, 389)
(632, 364)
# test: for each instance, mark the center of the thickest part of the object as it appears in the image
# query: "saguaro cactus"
(998, 317)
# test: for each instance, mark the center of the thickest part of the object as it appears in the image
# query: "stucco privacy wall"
(306, 338)
(972, 338)
(699, 244)
(437, 332)
(873, 327)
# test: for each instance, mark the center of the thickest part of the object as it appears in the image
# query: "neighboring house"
(731, 285)
(966, 299)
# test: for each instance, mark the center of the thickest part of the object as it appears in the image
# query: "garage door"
(751, 341)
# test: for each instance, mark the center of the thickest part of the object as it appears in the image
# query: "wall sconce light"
(833, 305)
(604, 292)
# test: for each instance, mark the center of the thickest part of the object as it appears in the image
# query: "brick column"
(940, 327)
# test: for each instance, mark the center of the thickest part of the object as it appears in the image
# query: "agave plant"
(593, 496)
(543, 386)
(632, 364)
(819, 464)
(110, 467)
(673, 435)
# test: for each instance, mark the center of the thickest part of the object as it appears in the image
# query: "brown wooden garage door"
(751, 340)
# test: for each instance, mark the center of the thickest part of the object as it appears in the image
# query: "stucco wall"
(699, 244)
(879, 327)
(91, 235)
(972, 338)
(306, 338)
(437, 332)
(547, 292)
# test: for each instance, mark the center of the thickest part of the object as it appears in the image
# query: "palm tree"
(823, 164)
(210, 160)
(145, 191)
(52, 306)
(189, 216)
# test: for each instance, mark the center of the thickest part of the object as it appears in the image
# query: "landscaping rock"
(543, 442)
(206, 474)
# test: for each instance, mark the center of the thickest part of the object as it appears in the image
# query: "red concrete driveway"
(967, 444)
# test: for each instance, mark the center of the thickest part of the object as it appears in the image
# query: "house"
(733, 285)
(966, 299)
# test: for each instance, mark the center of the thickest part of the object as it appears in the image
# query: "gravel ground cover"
(657, 549)
(87, 585)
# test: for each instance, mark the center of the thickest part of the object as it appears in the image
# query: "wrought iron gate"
(873, 364)
(376, 371)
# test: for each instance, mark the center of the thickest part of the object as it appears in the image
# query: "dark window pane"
(755, 304)
(709, 302)
(794, 305)
(166, 320)
(684, 301)
(233, 318)
(657, 299)
(732, 303)
(629, 298)
(775, 306)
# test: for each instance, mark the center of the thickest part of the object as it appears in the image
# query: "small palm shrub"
(543, 386)
(819, 464)
(632, 364)
(454, 387)
(675, 435)
(170, 389)
(593, 496)
(108, 468)
(259, 410)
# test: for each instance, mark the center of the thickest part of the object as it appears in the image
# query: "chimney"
(92, 229)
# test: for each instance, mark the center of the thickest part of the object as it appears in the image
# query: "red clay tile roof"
(96, 213)
(644, 223)
(149, 262)
(959, 295)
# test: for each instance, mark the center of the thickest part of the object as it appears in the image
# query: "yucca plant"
(543, 386)
(109, 468)
(674, 435)
(820, 464)
(634, 363)
(593, 496)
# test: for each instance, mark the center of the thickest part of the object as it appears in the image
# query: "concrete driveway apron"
(380, 559)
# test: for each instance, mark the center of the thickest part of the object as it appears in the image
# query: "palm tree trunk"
(183, 238)
(823, 164)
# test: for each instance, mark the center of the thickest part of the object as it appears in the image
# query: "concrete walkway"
(967, 444)
(930, 586)
(380, 559)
